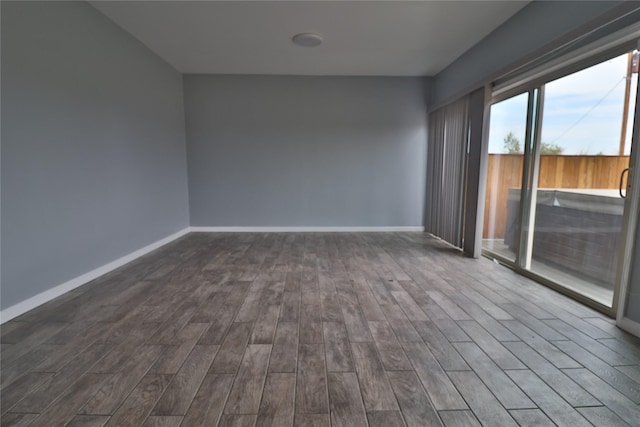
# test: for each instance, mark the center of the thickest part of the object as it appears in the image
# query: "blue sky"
(582, 114)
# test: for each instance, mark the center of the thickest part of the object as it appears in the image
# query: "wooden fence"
(504, 171)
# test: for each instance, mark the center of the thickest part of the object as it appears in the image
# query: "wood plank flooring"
(315, 329)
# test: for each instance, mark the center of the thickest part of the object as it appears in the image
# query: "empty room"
(320, 213)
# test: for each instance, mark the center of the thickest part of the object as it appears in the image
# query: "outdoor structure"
(576, 230)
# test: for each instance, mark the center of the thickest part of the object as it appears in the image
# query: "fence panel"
(504, 171)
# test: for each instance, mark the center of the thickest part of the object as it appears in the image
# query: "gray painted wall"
(305, 151)
(93, 149)
(536, 25)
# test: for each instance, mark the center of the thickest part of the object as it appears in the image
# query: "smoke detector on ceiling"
(307, 39)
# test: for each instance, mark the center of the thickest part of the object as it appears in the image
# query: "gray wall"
(93, 149)
(305, 151)
(536, 25)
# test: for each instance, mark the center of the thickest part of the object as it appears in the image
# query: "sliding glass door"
(504, 175)
(557, 171)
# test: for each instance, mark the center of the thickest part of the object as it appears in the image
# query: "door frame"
(629, 226)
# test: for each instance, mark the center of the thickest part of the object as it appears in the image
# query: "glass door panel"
(628, 310)
(504, 176)
(582, 152)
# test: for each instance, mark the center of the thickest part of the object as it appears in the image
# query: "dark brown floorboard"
(315, 329)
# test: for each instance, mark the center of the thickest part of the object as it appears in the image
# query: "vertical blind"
(446, 161)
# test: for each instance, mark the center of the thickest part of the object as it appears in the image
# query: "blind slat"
(446, 153)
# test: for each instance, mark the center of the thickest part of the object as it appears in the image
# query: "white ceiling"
(382, 38)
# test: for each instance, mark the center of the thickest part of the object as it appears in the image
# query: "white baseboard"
(303, 229)
(43, 297)
(630, 326)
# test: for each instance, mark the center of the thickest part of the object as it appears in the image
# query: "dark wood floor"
(386, 329)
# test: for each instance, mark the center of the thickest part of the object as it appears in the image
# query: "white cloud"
(582, 111)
